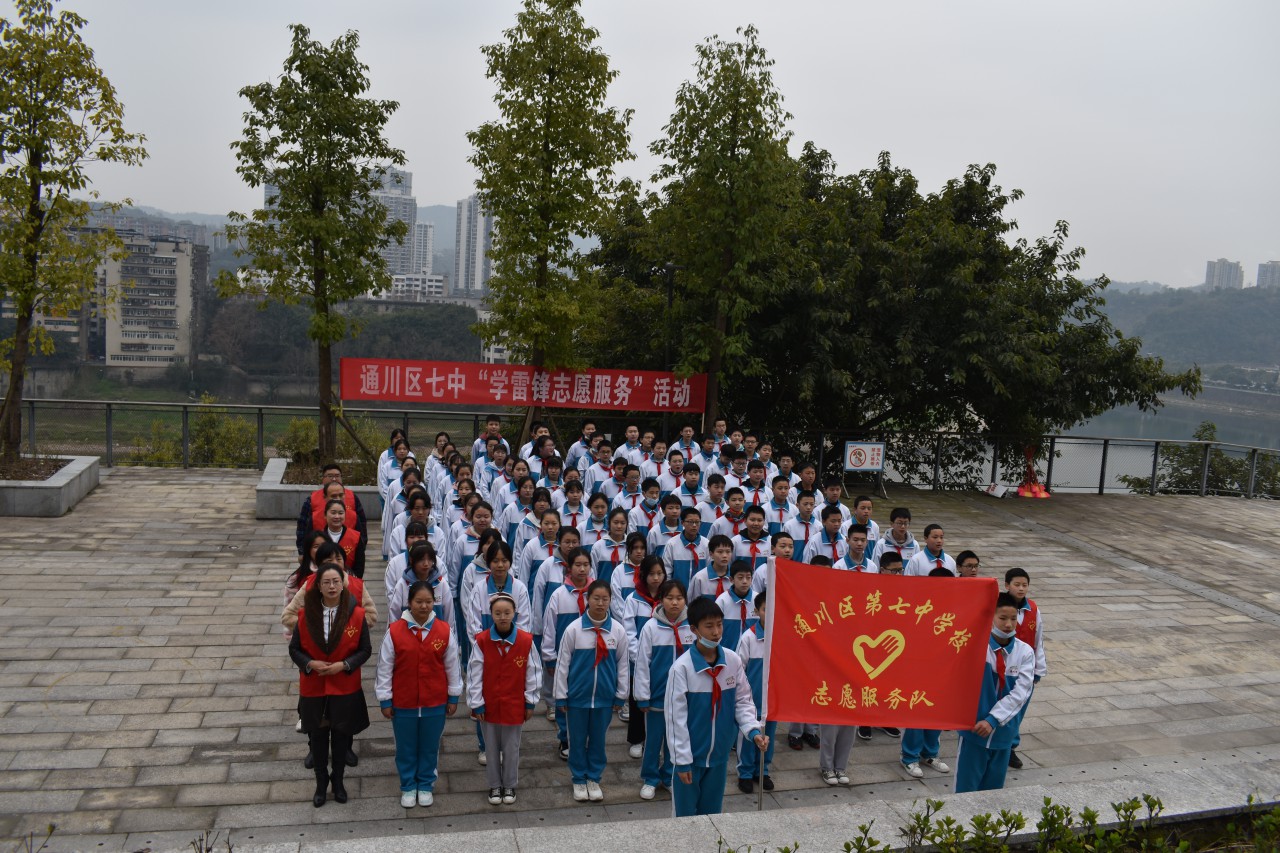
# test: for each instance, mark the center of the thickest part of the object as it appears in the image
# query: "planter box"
(283, 500)
(55, 496)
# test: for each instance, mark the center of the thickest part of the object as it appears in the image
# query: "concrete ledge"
(275, 499)
(1199, 793)
(55, 496)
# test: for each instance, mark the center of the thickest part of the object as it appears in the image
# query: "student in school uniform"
(919, 746)
(931, 556)
(1030, 631)
(672, 479)
(708, 702)
(781, 546)
(504, 678)
(667, 527)
(550, 574)
(779, 510)
(567, 601)
(655, 459)
(983, 759)
(610, 551)
(386, 457)
(804, 523)
(581, 447)
(691, 493)
(642, 603)
(862, 507)
(601, 471)
(631, 448)
(627, 576)
(752, 543)
(855, 557)
(754, 489)
(538, 548)
(500, 581)
(685, 443)
(687, 554)
(423, 566)
(514, 513)
(419, 682)
(831, 489)
(713, 506)
(502, 496)
(419, 511)
(329, 645)
(662, 640)
(592, 677)
(734, 601)
(573, 510)
(596, 525)
(734, 519)
(708, 456)
(751, 650)
(706, 580)
(829, 543)
(531, 524)
(897, 538)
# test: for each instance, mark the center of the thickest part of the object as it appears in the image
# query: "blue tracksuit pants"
(749, 754)
(704, 796)
(918, 744)
(656, 767)
(979, 768)
(417, 747)
(586, 728)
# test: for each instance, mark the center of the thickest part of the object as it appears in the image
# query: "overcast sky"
(1152, 127)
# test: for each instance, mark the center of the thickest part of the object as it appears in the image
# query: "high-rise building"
(397, 196)
(1223, 274)
(424, 246)
(471, 265)
(152, 325)
(1269, 274)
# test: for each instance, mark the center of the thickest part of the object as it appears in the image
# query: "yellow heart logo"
(890, 644)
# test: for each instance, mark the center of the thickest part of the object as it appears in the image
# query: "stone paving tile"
(166, 708)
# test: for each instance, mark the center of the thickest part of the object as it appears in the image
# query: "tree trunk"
(11, 413)
(328, 442)
(714, 366)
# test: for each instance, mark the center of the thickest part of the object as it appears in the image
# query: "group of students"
(628, 580)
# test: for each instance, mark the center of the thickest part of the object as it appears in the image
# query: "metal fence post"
(1253, 472)
(1048, 468)
(1155, 468)
(186, 439)
(1204, 471)
(111, 442)
(822, 448)
(261, 442)
(404, 425)
(31, 427)
(937, 463)
(995, 460)
(1102, 473)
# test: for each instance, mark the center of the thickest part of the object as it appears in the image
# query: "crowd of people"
(625, 580)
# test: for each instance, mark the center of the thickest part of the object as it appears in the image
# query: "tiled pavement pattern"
(145, 693)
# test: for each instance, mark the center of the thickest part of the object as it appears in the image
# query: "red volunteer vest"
(1026, 631)
(418, 679)
(331, 685)
(349, 542)
(504, 675)
(317, 508)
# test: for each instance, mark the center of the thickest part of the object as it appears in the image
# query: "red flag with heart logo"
(851, 648)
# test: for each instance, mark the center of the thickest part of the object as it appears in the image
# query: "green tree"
(729, 188)
(546, 175)
(59, 114)
(317, 143)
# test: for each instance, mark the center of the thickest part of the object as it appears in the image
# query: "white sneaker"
(913, 770)
(298, 727)
(483, 758)
(647, 792)
(636, 750)
(551, 714)
(844, 778)
(580, 793)
(425, 798)
(624, 713)
(937, 764)
(594, 792)
(408, 799)
(830, 777)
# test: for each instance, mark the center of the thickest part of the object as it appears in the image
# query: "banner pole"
(771, 568)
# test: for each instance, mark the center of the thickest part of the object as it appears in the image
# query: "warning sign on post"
(866, 456)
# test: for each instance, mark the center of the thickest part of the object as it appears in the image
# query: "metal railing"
(124, 433)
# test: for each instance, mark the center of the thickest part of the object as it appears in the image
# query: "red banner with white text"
(477, 384)
(852, 648)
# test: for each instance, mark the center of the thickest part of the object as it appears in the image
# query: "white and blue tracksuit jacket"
(999, 704)
(581, 680)
(655, 652)
(700, 733)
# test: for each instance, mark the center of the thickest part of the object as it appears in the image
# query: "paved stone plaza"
(146, 695)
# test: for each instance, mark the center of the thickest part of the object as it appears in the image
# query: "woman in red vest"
(419, 682)
(346, 538)
(504, 680)
(329, 646)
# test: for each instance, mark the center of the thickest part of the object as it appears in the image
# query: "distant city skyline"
(1118, 118)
